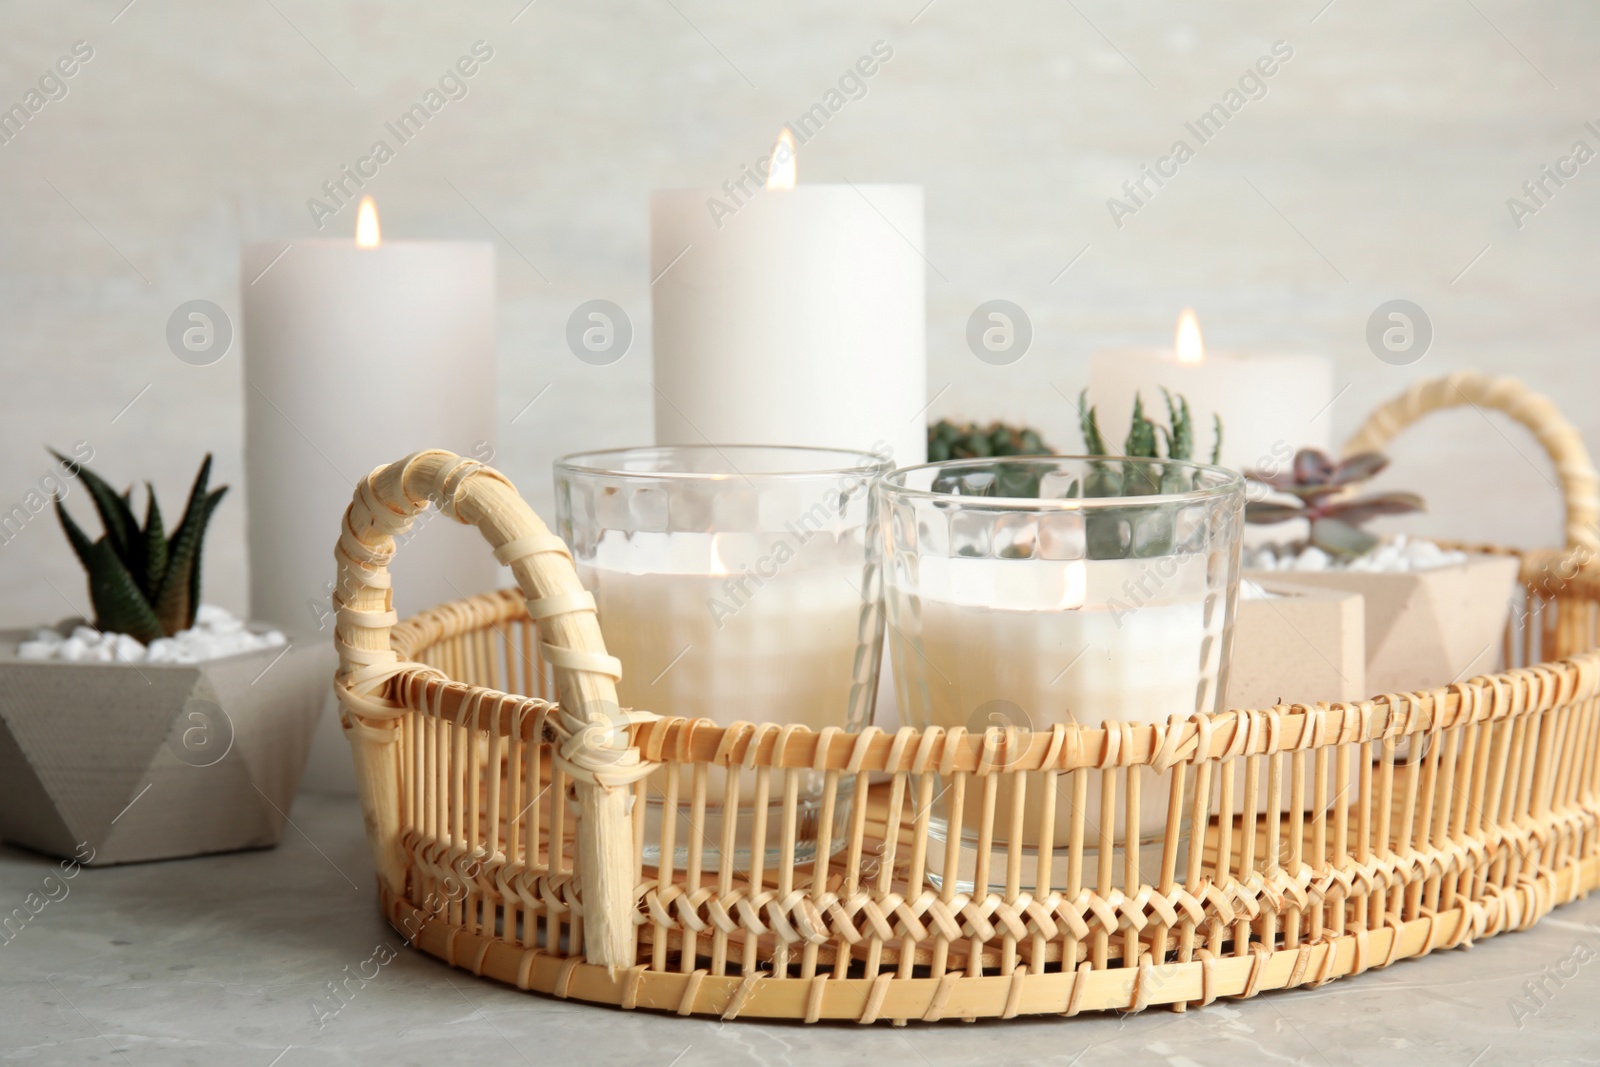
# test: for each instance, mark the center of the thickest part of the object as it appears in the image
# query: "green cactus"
(1144, 436)
(951, 440)
(1107, 532)
(142, 582)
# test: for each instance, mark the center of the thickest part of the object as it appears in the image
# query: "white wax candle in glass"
(735, 584)
(1030, 592)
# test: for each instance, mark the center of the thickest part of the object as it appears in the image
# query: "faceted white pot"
(146, 761)
(1429, 628)
(1299, 645)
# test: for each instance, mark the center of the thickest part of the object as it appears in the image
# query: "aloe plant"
(1146, 439)
(1143, 441)
(142, 582)
(1325, 495)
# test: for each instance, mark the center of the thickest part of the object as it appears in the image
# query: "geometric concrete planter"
(1429, 628)
(146, 761)
(1299, 646)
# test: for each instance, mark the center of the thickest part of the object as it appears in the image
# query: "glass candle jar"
(734, 583)
(1031, 591)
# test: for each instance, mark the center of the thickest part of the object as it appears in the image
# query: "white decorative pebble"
(1312, 559)
(215, 633)
(1397, 556)
(210, 614)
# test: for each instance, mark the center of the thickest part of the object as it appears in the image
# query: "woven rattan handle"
(1580, 486)
(593, 751)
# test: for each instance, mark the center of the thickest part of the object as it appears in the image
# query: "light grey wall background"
(1377, 166)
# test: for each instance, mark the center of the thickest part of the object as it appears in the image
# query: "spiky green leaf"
(1089, 424)
(155, 545)
(199, 549)
(1141, 441)
(1180, 441)
(81, 545)
(179, 595)
(116, 515)
(1216, 447)
(119, 605)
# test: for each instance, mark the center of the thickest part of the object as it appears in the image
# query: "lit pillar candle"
(357, 353)
(1270, 403)
(793, 317)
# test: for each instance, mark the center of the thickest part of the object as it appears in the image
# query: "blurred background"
(1376, 166)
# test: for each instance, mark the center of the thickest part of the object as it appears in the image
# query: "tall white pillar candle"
(1271, 404)
(354, 357)
(796, 318)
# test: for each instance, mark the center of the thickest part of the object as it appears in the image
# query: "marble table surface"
(218, 961)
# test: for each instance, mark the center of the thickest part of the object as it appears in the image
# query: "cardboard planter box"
(146, 761)
(1425, 629)
(1298, 646)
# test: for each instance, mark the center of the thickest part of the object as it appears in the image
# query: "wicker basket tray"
(1330, 838)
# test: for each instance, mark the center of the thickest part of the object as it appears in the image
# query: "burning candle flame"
(367, 235)
(782, 173)
(1191, 350)
(718, 568)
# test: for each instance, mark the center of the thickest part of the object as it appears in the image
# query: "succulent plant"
(142, 582)
(1107, 530)
(1145, 440)
(951, 440)
(1325, 495)
(1142, 441)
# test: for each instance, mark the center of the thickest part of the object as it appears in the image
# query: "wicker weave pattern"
(1334, 838)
